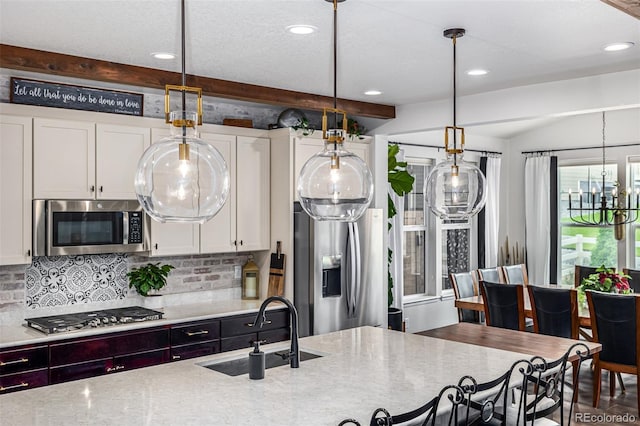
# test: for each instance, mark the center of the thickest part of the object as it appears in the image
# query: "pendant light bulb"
(335, 184)
(455, 189)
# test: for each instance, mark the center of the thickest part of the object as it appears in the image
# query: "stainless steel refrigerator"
(339, 272)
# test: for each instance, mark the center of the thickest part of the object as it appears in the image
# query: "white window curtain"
(492, 212)
(395, 242)
(537, 217)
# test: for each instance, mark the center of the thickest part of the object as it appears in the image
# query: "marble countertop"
(362, 369)
(15, 334)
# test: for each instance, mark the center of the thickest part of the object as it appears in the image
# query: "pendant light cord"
(455, 133)
(335, 63)
(184, 74)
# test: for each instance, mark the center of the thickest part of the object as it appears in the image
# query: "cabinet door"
(304, 148)
(253, 193)
(64, 155)
(15, 190)
(219, 234)
(169, 239)
(118, 149)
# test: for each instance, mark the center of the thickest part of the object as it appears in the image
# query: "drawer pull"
(175, 357)
(21, 385)
(116, 368)
(196, 333)
(17, 361)
(250, 324)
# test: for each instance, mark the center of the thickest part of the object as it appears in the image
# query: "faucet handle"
(259, 342)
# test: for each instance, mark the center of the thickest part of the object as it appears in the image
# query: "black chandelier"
(619, 209)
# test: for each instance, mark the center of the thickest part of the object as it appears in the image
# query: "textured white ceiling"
(395, 46)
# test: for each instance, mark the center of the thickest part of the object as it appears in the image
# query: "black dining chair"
(503, 305)
(515, 274)
(634, 275)
(555, 311)
(464, 285)
(615, 321)
(582, 272)
(493, 275)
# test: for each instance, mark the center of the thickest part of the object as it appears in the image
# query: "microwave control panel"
(135, 227)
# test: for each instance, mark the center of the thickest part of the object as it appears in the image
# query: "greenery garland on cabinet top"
(149, 277)
(401, 183)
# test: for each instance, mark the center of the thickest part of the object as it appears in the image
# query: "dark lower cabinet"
(29, 366)
(23, 367)
(25, 380)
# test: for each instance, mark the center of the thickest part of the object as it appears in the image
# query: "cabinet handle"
(100, 188)
(28, 252)
(156, 246)
(175, 357)
(17, 361)
(250, 324)
(241, 242)
(196, 333)
(116, 368)
(21, 385)
(92, 188)
(235, 242)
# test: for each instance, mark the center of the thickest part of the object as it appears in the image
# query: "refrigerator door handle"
(357, 267)
(348, 270)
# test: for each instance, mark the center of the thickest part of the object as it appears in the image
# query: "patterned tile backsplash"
(74, 280)
(66, 280)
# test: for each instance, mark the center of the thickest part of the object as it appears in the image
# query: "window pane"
(585, 245)
(414, 201)
(413, 262)
(455, 254)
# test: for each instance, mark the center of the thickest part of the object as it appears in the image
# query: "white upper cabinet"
(15, 190)
(118, 149)
(252, 193)
(82, 160)
(218, 235)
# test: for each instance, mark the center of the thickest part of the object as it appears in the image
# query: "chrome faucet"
(294, 353)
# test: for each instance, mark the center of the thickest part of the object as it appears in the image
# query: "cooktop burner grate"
(91, 319)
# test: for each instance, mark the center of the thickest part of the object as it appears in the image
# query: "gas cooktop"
(91, 319)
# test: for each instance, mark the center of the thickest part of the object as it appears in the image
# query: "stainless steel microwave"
(71, 227)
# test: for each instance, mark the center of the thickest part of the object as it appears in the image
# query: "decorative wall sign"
(42, 93)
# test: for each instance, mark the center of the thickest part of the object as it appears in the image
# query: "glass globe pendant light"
(182, 178)
(455, 189)
(335, 184)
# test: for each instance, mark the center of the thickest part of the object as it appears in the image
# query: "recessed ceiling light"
(614, 47)
(373, 93)
(301, 29)
(477, 72)
(163, 55)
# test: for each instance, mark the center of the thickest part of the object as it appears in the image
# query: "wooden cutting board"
(276, 273)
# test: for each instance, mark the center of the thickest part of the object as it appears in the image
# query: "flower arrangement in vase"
(605, 280)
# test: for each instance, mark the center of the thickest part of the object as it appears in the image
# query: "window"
(580, 244)
(414, 253)
(633, 184)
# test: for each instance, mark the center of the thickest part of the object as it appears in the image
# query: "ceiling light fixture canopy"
(618, 209)
(182, 178)
(455, 189)
(335, 184)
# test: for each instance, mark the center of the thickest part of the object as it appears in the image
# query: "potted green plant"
(149, 278)
(605, 280)
(401, 183)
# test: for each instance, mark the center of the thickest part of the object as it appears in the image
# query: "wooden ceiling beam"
(631, 7)
(39, 61)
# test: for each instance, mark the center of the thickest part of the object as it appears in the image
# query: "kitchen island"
(360, 370)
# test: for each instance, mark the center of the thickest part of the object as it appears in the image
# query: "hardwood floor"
(619, 405)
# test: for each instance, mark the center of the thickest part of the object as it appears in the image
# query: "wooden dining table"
(549, 347)
(476, 303)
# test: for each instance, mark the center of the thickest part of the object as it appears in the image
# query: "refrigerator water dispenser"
(331, 276)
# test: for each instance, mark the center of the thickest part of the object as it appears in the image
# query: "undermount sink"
(240, 365)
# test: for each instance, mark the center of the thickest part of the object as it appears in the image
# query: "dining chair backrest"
(493, 275)
(634, 275)
(615, 321)
(582, 272)
(555, 311)
(503, 305)
(464, 285)
(515, 274)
